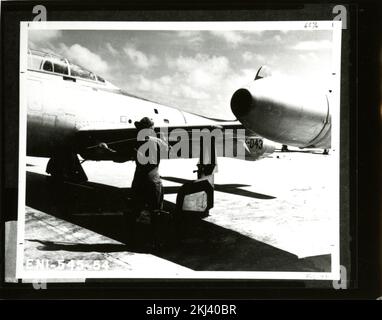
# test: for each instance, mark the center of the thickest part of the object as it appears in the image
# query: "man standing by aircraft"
(147, 188)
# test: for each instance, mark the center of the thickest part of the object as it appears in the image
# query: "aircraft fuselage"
(60, 106)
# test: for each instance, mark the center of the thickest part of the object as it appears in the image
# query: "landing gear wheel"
(66, 166)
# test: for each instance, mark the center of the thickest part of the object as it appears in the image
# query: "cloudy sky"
(196, 71)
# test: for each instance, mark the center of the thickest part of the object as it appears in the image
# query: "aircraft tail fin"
(263, 72)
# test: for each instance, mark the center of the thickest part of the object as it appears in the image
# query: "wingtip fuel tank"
(284, 110)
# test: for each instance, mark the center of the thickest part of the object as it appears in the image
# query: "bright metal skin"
(62, 105)
(284, 111)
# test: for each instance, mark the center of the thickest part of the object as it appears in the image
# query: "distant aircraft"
(72, 111)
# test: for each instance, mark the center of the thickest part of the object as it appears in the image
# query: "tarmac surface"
(275, 214)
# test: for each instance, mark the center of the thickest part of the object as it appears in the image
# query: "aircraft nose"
(241, 102)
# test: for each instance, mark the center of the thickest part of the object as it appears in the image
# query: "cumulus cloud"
(277, 38)
(166, 80)
(201, 70)
(309, 56)
(178, 90)
(165, 86)
(189, 92)
(235, 38)
(253, 57)
(143, 83)
(192, 37)
(43, 36)
(232, 37)
(111, 49)
(247, 56)
(200, 83)
(139, 58)
(313, 45)
(214, 64)
(84, 57)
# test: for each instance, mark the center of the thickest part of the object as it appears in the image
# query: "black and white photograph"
(180, 150)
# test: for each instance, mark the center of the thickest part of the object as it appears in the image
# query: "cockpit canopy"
(47, 62)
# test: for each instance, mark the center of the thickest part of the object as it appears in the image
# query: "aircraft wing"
(90, 142)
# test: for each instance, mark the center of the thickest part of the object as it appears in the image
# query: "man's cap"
(144, 123)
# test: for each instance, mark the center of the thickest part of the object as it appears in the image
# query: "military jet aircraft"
(72, 111)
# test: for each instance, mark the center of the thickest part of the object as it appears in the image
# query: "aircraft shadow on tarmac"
(227, 188)
(311, 151)
(80, 247)
(203, 246)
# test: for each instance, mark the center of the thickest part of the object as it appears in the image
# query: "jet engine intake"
(285, 112)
